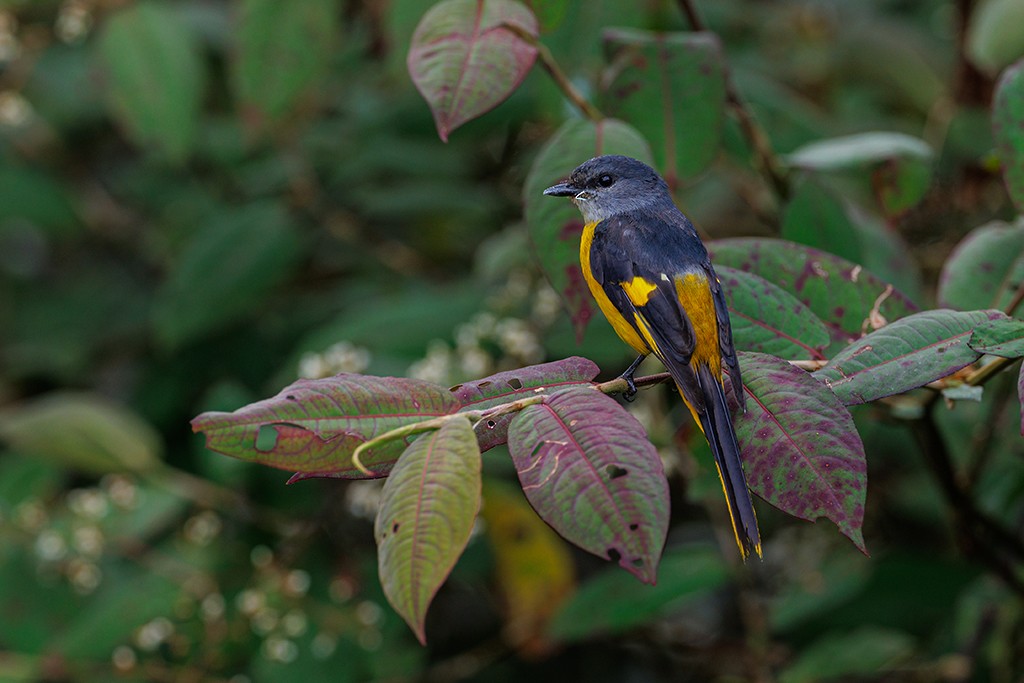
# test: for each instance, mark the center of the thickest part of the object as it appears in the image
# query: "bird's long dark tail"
(717, 426)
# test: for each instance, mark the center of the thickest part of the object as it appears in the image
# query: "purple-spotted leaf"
(801, 450)
(427, 509)
(671, 86)
(555, 224)
(1007, 115)
(986, 269)
(511, 385)
(312, 426)
(848, 299)
(1003, 337)
(904, 355)
(465, 60)
(896, 168)
(589, 471)
(768, 319)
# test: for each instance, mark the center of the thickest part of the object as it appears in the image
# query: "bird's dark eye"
(605, 180)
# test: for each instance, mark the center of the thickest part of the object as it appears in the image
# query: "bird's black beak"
(562, 190)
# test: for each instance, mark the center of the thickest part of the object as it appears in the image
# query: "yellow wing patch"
(638, 290)
(694, 292)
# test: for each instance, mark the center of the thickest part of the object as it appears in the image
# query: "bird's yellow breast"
(625, 331)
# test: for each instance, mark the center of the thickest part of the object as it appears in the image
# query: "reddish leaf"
(464, 59)
(848, 299)
(555, 225)
(801, 450)
(427, 509)
(312, 426)
(767, 319)
(985, 269)
(588, 469)
(904, 355)
(505, 387)
(672, 87)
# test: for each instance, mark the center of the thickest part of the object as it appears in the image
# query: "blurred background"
(203, 200)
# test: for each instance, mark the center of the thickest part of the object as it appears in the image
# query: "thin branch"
(765, 161)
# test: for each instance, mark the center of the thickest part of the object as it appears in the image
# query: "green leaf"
(986, 269)
(866, 652)
(549, 13)
(555, 225)
(767, 319)
(896, 168)
(427, 509)
(671, 86)
(588, 469)
(465, 61)
(904, 355)
(155, 76)
(800, 448)
(81, 431)
(511, 385)
(225, 272)
(1003, 337)
(610, 603)
(312, 426)
(843, 295)
(284, 50)
(817, 218)
(1007, 114)
(994, 39)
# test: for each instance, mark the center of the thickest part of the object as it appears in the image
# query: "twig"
(766, 162)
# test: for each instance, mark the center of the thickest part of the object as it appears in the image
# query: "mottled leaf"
(588, 469)
(895, 167)
(994, 39)
(155, 76)
(801, 450)
(671, 86)
(81, 431)
(1003, 337)
(904, 355)
(465, 60)
(1008, 125)
(767, 319)
(986, 269)
(511, 385)
(532, 564)
(312, 426)
(610, 603)
(554, 223)
(427, 509)
(225, 272)
(284, 49)
(848, 299)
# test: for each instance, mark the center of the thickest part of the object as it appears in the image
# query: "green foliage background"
(269, 198)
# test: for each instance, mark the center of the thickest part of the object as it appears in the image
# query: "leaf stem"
(397, 433)
(547, 60)
(766, 161)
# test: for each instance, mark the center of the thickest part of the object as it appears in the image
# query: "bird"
(652, 278)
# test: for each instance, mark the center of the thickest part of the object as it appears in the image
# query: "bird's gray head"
(612, 184)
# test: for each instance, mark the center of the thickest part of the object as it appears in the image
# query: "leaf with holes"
(155, 76)
(671, 86)
(848, 299)
(313, 425)
(589, 471)
(1007, 115)
(904, 355)
(465, 60)
(512, 385)
(801, 450)
(767, 319)
(986, 269)
(895, 168)
(427, 509)
(1003, 337)
(555, 224)
(284, 49)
